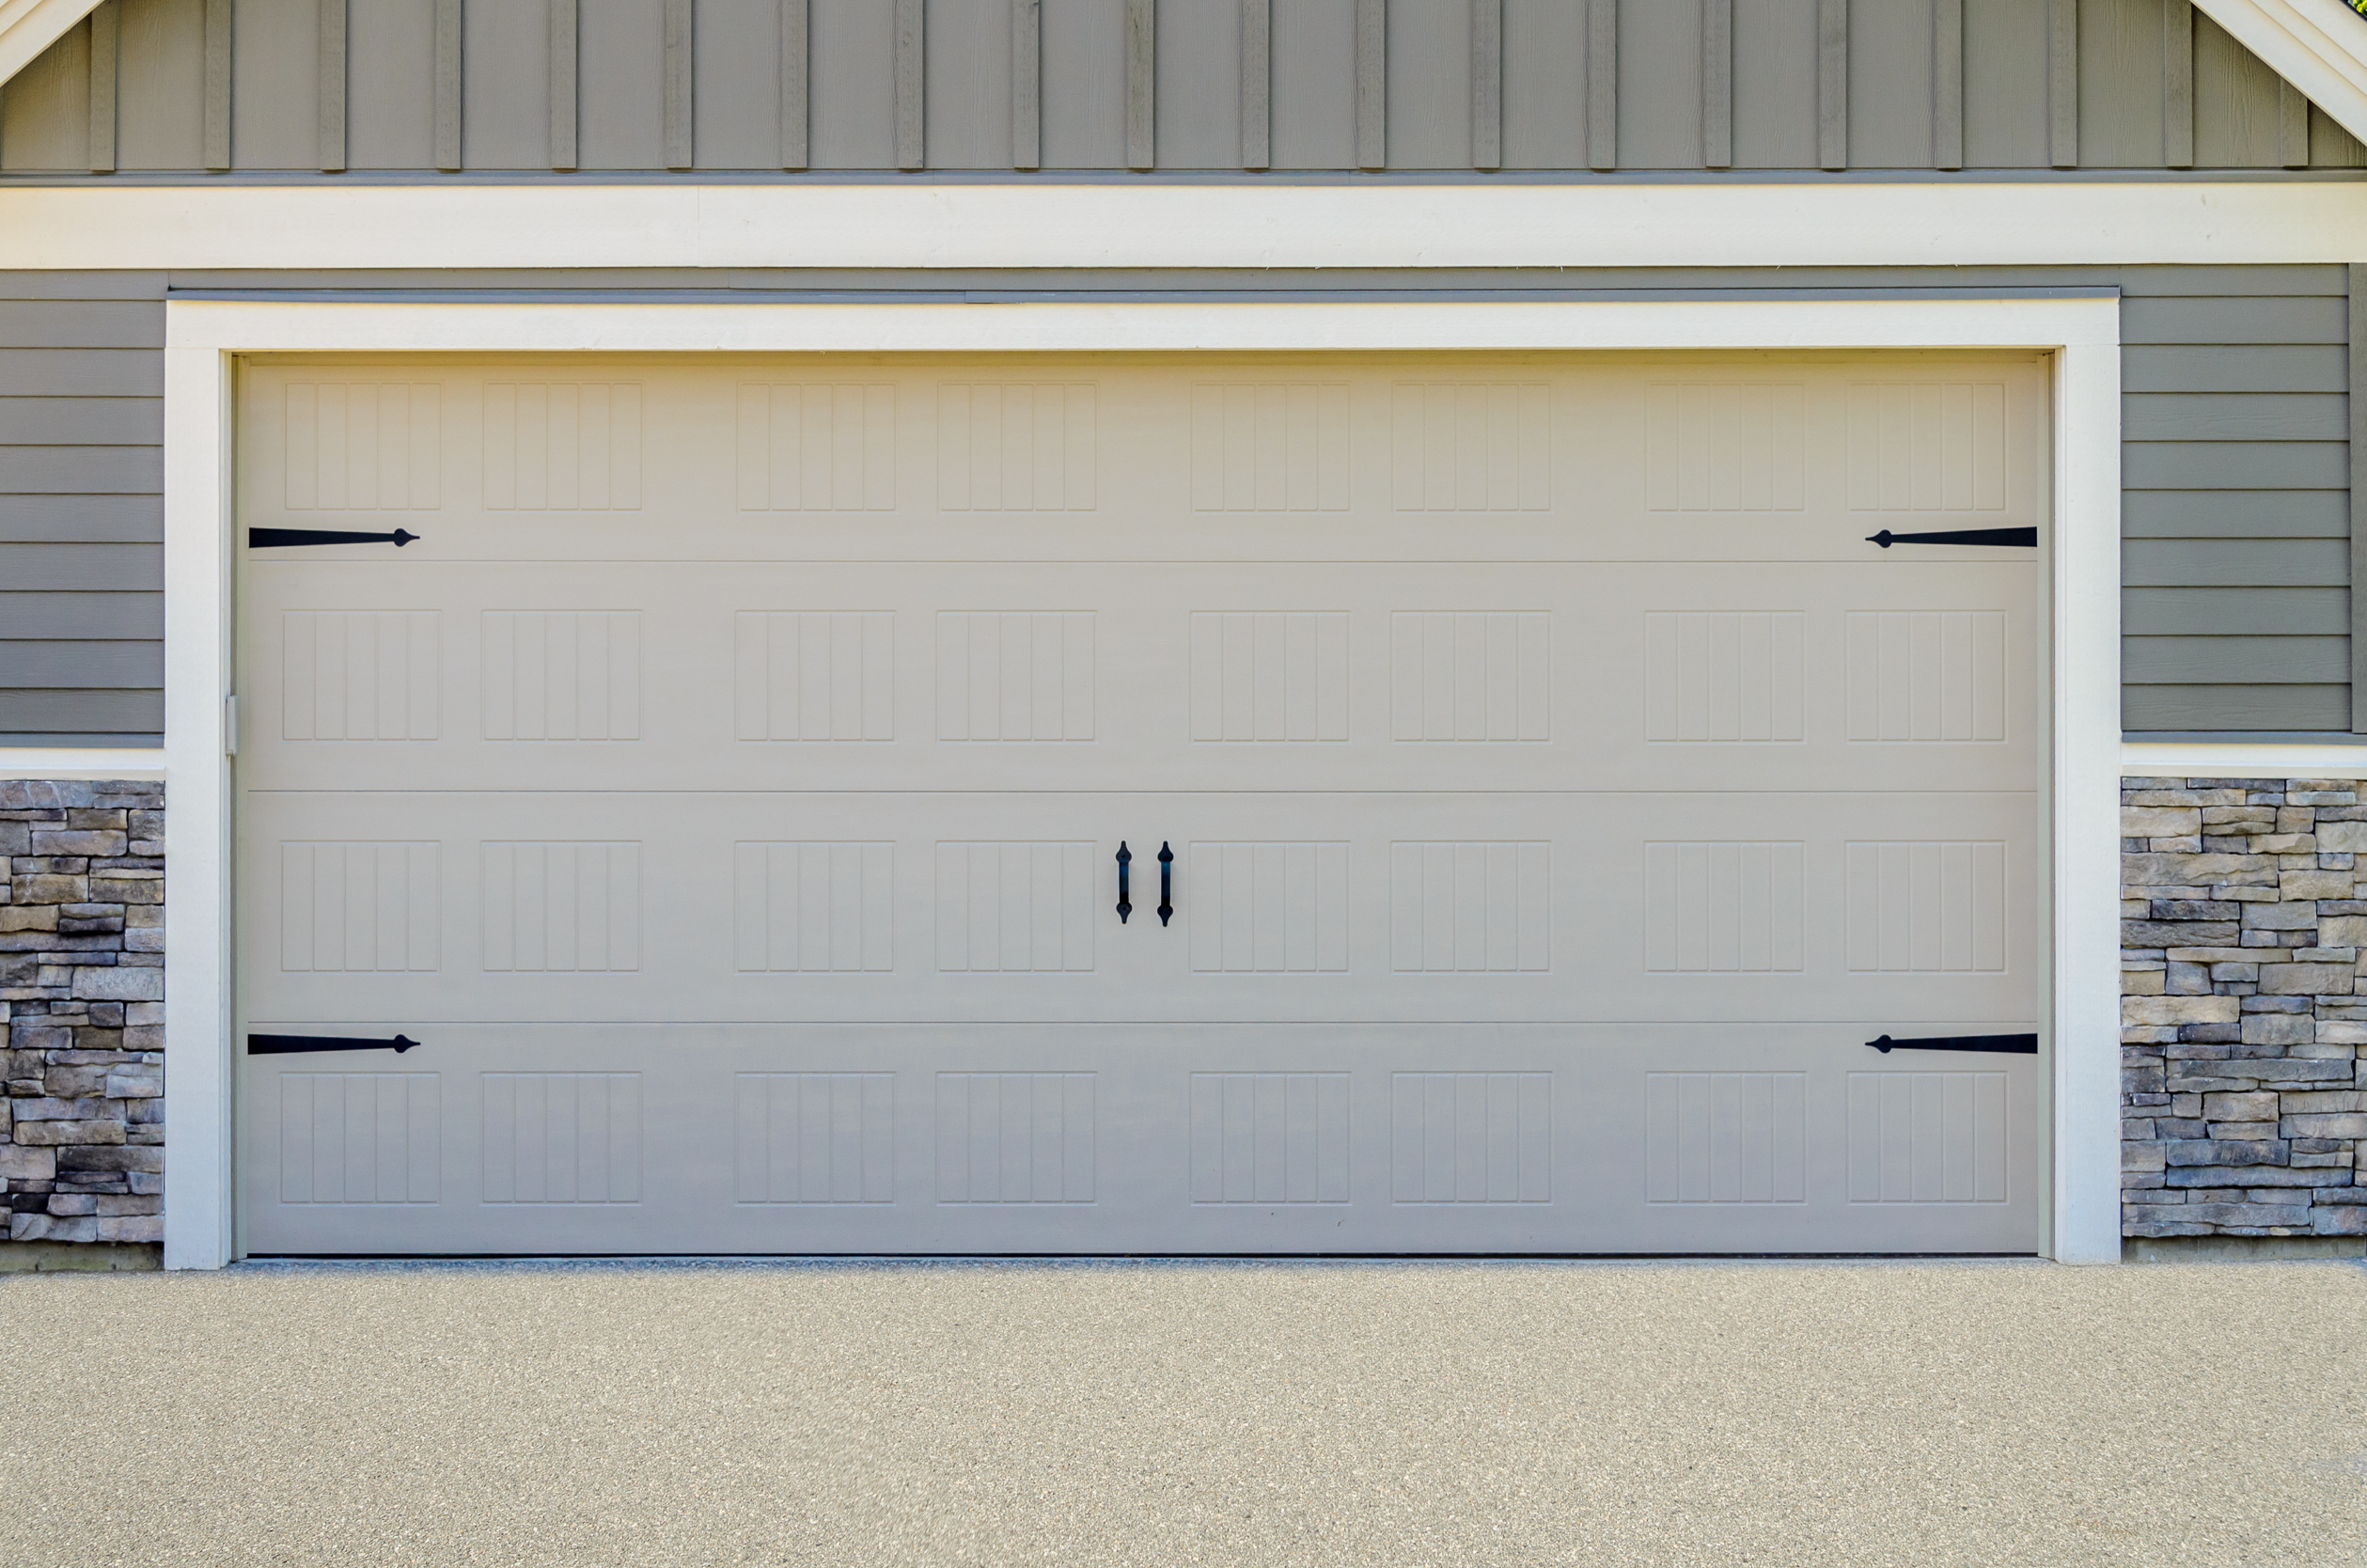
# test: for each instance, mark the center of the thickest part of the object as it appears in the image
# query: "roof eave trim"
(2320, 46)
(29, 26)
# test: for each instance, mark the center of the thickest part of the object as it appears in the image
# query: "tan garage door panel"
(725, 788)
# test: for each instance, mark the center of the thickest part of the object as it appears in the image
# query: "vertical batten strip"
(1948, 83)
(1027, 85)
(448, 84)
(1602, 84)
(565, 87)
(2177, 85)
(1717, 83)
(681, 152)
(328, 94)
(1832, 84)
(1373, 84)
(216, 113)
(1257, 83)
(106, 30)
(1142, 65)
(795, 92)
(912, 65)
(2292, 127)
(2062, 84)
(2358, 368)
(1487, 83)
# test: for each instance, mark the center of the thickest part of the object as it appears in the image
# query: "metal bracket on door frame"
(2012, 1044)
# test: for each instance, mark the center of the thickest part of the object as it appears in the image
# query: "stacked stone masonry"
(2243, 1007)
(81, 994)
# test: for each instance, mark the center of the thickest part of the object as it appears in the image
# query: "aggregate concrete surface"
(1229, 1413)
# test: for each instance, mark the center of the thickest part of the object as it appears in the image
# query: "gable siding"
(82, 519)
(2128, 55)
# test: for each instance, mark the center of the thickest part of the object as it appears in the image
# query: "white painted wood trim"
(2320, 46)
(29, 26)
(52, 761)
(2241, 759)
(201, 337)
(1701, 223)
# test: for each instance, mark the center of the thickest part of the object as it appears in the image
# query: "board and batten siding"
(1566, 85)
(2235, 513)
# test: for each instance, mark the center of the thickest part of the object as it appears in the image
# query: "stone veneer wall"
(2244, 919)
(82, 988)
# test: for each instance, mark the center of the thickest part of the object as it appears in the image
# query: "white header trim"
(1703, 222)
(2319, 46)
(41, 762)
(2241, 759)
(201, 337)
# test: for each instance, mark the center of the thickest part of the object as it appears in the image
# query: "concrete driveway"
(1189, 1413)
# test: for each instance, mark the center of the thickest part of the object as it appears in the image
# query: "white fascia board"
(29, 26)
(202, 336)
(2320, 46)
(1697, 222)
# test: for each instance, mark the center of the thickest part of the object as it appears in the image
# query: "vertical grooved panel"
(912, 70)
(1373, 84)
(814, 1137)
(1717, 83)
(361, 675)
(2177, 111)
(2062, 83)
(562, 1137)
(1487, 83)
(360, 908)
(1267, 908)
(815, 675)
(329, 91)
(1014, 675)
(1926, 675)
(106, 32)
(217, 91)
(1948, 83)
(795, 78)
(1726, 1138)
(448, 84)
(1927, 446)
(1927, 1137)
(360, 1137)
(1257, 83)
(677, 125)
(1832, 84)
(562, 447)
(814, 908)
(1724, 908)
(1470, 907)
(1269, 1137)
(1725, 447)
(1016, 448)
(565, 87)
(1016, 1138)
(1470, 447)
(1269, 675)
(1141, 83)
(1016, 907)
(561, 908)
(1926, 908)
(817, 448)
(1270, 447)
(1471, 1137)
(561, 675)
(362, 446)
(1471, 675)
(1602, 84)
(1026, 83)
(1724, 676)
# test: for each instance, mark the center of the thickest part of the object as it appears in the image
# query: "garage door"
(1141, 805)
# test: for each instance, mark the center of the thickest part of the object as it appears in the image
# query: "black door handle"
(1125, 859)
(278, 539)
(2013, 1045)
(2006, 537)
(1166, 872)
(294, 1045)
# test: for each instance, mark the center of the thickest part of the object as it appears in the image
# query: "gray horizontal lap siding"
(2235, 554)
(1453, 84)
(2235, 604)
(82, 521)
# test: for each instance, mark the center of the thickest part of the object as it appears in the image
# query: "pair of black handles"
(1166, 883)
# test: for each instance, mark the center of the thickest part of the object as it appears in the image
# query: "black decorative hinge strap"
(2008, 537)
(275, 539)
(2013, 1045)
(293, 1045)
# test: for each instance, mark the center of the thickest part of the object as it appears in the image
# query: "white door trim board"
(1718, 223)
(201, 337)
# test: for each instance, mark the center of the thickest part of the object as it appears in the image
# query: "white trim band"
(1699, 223)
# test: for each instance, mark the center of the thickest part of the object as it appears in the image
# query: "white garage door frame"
(2080, 329)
